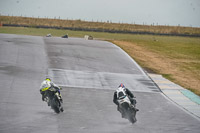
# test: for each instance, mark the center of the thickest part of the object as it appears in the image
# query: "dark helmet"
(122, 85)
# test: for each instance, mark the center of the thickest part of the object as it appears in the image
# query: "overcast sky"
(162, 12)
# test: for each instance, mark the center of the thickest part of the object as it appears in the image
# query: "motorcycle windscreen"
(121, 95)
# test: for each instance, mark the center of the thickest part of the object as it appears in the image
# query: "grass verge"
(100, 26)
(176, 58)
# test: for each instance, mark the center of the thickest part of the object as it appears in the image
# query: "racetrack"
(89, 71)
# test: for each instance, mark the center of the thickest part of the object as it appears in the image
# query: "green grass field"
(183, 53)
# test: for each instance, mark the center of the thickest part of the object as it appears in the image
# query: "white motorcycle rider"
(124, 99)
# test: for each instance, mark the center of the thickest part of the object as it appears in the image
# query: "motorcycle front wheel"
(55, 105)
(132, 115)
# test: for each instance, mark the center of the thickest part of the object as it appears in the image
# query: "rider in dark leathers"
(47, 84)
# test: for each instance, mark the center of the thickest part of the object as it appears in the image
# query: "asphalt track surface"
(89, 71)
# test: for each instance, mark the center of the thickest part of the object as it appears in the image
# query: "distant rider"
(46, 85)
(122, 90)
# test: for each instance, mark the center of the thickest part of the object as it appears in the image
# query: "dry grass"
(99, 25)
(172, 68)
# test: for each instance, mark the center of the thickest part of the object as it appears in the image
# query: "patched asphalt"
(89, 71)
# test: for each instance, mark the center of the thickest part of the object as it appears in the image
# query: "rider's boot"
(61, 109)
(60, 97)
(48, 103)
(134, 106)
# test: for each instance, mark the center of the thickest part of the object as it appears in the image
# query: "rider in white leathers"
(122, 89)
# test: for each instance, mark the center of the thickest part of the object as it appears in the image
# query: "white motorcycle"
(127, 109)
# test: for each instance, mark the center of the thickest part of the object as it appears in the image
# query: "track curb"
(181, 96)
